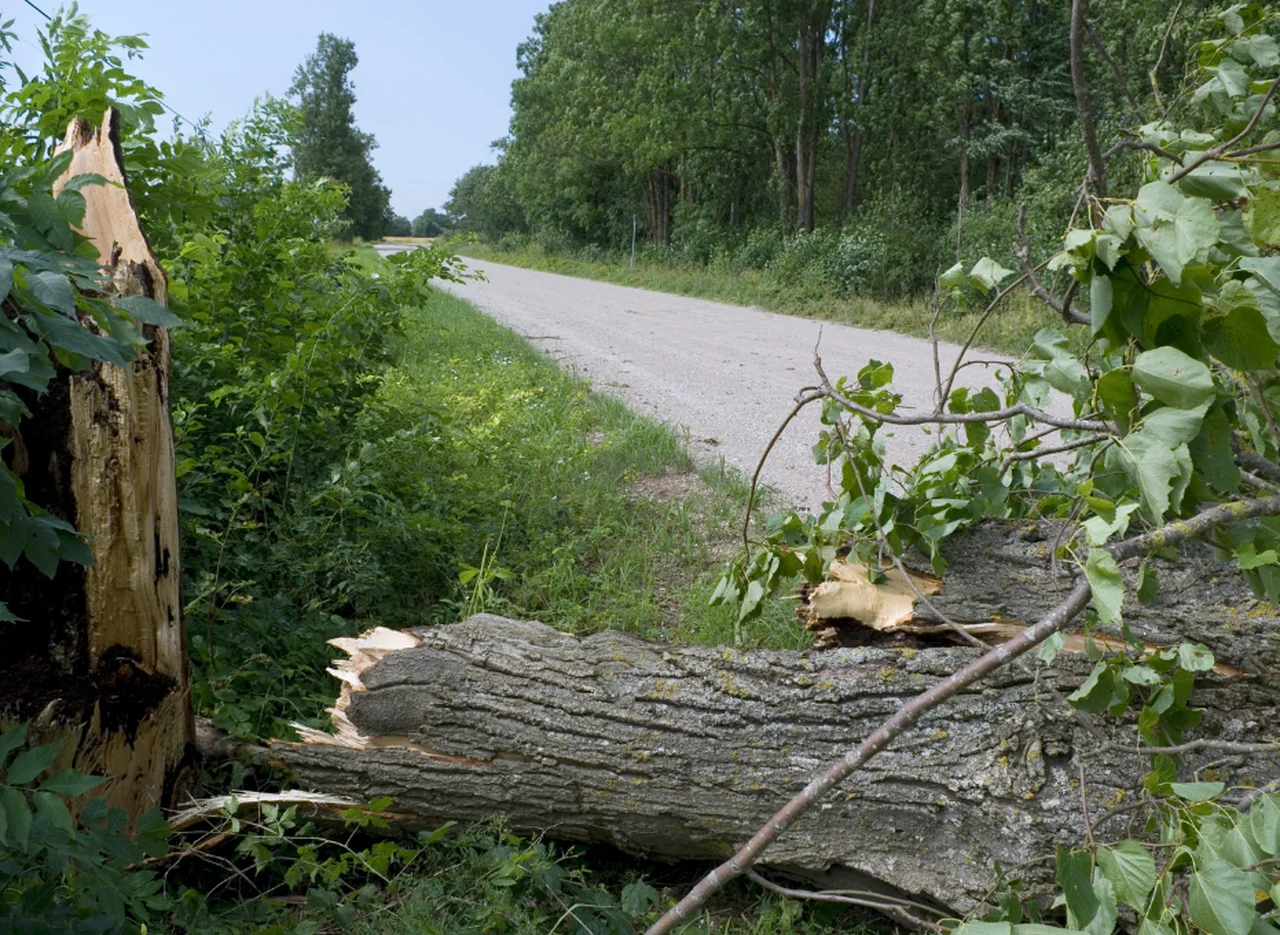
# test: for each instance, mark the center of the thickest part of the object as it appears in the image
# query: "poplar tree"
(328, 143)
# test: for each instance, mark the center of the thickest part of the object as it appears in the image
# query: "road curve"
(725, 374)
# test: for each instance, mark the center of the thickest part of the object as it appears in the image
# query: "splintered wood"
(103, 667)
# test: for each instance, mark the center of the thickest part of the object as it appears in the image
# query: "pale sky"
(433, 83)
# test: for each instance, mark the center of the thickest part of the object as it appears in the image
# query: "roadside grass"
(561, 529)
(1009, 330)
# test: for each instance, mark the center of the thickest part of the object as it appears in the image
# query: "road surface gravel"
(724, 374)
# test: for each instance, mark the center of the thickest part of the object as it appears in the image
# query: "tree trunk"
(101, 662)
(853, 139)
(810, 49)
(683, 752)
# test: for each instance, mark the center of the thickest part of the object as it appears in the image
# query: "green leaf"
(1262, 216)
(1197, 791)
(1117, 396)
(149, 311)
(1195, 657)
(11, 740)
(1131, 870)
(29, 764)
(52, 809)
(751, 600)
(1221, 899)
(70, 783)
(1241, 339)
(18, 814)
(637, 898)
(1264, 824)
(54, 290)
(1176, 230)
(1212, 455)
(1074, 871)
(1217, 181)
(1172, 427)
(985, 928)
(987, 274)
(1152, 466)
(1107, 584)
(953, 278)
(1173, 378)
(1104, 920)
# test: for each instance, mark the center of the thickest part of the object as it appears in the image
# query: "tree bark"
(683, 752)
(811, 45)
(101, 663)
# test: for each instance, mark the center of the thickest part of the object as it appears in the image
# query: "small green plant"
(62, 874)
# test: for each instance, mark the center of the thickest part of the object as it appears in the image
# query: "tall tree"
(329, 144)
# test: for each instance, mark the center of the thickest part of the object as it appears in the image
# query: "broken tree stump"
(100, 663)
(683, 752)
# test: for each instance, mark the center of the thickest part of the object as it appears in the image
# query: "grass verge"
(1009, 331)
(593, 517)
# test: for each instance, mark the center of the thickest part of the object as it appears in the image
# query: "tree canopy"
(923, 123)
(327, 142)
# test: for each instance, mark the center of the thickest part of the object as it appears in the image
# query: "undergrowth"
(1009, 331)
(479, 477)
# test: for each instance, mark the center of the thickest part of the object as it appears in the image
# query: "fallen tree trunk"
(684, 752)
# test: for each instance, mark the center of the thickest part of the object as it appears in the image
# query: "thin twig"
(1222, 746)
(1022, 250)
(889, 905)
(951, 378)
(1142, 144)
(959, 418)
(1164, 48)
(1096, 180)
(1115, 69)
(1216, 152)
(1054, 450)
(1084, 809)
(801, 402)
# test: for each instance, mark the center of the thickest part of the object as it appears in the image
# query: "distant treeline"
(905, 133)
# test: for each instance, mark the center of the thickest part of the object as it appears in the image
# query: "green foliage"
(430, 223)
(67, 864)
(327, 143)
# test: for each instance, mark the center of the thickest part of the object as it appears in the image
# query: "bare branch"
(959, 418)
(1054, 450)
(1223, 746)
(891, 906)
(951, 378)
(1164, 49)
(1142, 144)
(1258, 464)
(1096, 180)
(1023, 252)
(975, 671)
(1115, 69)
(801, 401)
(1254, 480)
(1247, 800)
(1217, 152)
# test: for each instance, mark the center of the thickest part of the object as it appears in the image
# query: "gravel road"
(725, 374)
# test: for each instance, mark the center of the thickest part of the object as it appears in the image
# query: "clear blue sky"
(433, 84)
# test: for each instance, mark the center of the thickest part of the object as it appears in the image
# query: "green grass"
(488, 880)
(554, 474)
(1008, 331)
